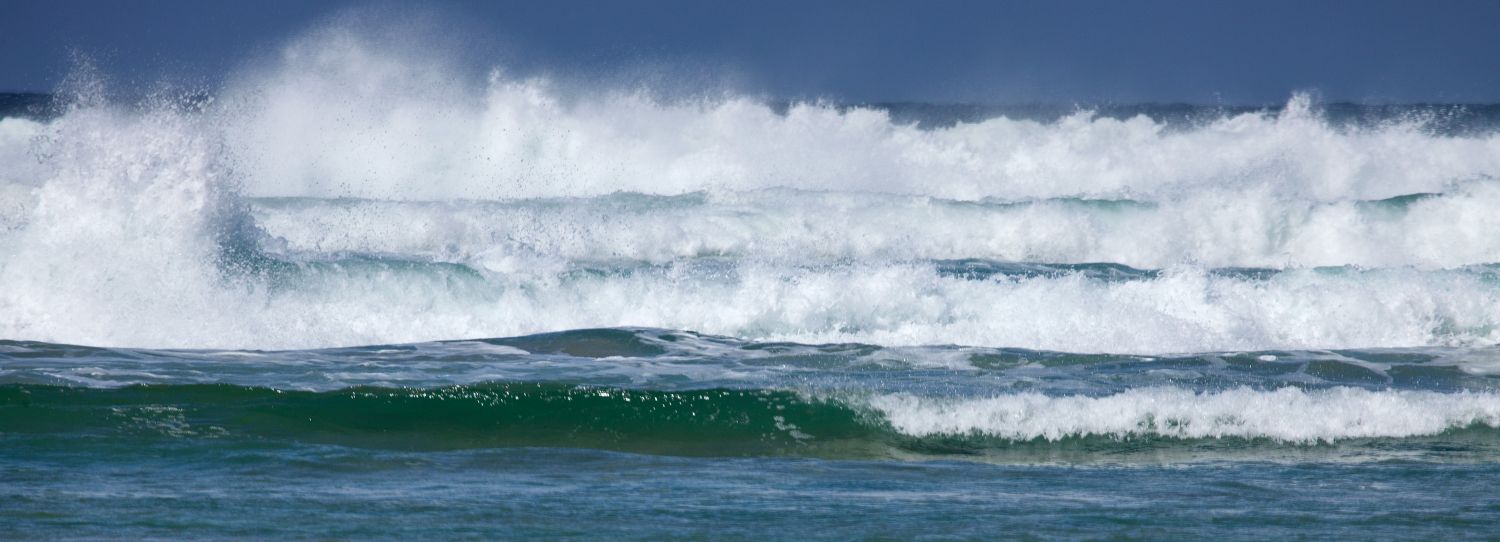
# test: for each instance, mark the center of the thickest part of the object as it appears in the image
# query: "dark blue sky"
(1201, 51)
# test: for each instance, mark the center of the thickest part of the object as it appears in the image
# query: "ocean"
(341, 297)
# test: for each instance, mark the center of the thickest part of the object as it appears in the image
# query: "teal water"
(238, 490)
(649, 434)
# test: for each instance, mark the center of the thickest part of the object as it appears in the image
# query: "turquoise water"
(644, 433)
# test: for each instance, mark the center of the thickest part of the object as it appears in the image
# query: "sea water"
(346, 294)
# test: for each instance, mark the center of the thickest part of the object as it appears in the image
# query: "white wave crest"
(363, 303)
(1212, 228)
(1287, 415)
(336, 116)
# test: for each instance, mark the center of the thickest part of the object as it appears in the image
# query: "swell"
(758, 422)
(706, 422)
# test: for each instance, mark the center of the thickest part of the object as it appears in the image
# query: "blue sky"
(1202, 51)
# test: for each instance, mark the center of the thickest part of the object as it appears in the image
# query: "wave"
(723, 422)
(132, 234)
(1285, 415)
(514, 206)
(354, 302)
(335, 115)
(338, 116)
(1209, 228)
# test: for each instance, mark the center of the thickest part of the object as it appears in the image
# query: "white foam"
(19, 170)
(1209, 228)
(121, 231)
(1285, 415)
(123, 226)
(337, 116)
(1184, 311)
(112, 221)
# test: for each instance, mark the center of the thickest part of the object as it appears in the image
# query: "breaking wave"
(342, 194)
(749, 422)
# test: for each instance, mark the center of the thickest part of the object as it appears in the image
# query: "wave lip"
(1287, 415)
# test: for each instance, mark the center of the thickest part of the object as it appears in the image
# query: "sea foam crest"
(337, 116)
(1286, 415)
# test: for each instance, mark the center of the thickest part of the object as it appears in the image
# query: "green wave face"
(708, 422)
